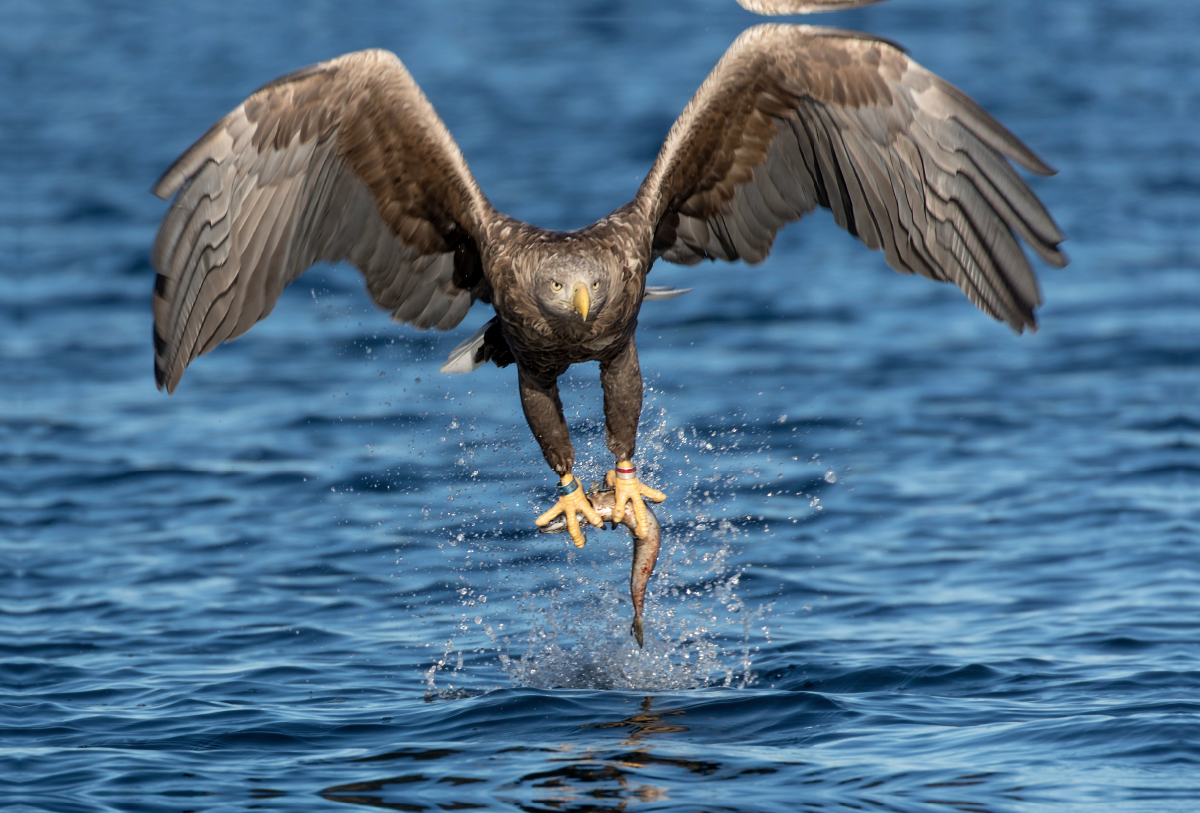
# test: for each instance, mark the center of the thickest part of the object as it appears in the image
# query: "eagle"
(347, 161)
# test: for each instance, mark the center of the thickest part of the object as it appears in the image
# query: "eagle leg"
(543, 411)
(621, 379)
(630, 489)
(572, 501)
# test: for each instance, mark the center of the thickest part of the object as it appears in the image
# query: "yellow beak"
(580, 300)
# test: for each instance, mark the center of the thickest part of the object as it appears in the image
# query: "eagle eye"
(556, 286)
(595, 286)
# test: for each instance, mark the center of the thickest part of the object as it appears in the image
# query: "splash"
(574, 633)
(572, 630)
(579, 636)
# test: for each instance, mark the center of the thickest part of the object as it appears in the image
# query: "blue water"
(912, 562)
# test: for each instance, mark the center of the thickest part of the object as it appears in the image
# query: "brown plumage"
(347, 160)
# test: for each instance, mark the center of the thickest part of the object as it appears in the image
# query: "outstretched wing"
(344, 160)
(793, 117)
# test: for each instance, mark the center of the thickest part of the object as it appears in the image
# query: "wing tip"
(167, 184)
(789, 7)
(163, 379)
(1030, 322)
(1018, 322)
(989, 129)
(1058, 258)
(1034, 163)
(191, 161)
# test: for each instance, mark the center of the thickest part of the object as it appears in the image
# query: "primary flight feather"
(347, 161)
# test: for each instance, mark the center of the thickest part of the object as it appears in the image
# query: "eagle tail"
(485, 344)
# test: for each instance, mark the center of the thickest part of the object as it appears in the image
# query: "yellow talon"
(573, 503)
(630, 489)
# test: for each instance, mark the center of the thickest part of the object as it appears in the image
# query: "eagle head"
(570, 290)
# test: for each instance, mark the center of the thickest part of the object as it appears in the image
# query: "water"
(912, 562)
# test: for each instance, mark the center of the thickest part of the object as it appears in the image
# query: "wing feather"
(344, 160)
(790, 173)
(795, 117)
(861, 210)
(871, 179)
(801, 6)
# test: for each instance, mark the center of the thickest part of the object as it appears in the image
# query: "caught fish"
(645, 551)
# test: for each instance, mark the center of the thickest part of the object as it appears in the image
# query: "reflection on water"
(572, 778)
(376, 793)
(645, 722)
(591, 770)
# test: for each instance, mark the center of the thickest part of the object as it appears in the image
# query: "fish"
(645, 550)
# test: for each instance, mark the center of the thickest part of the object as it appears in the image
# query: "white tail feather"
(462, 357)
(659, 292)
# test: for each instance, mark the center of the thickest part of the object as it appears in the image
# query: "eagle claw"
(572, 504)
(631, 491)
